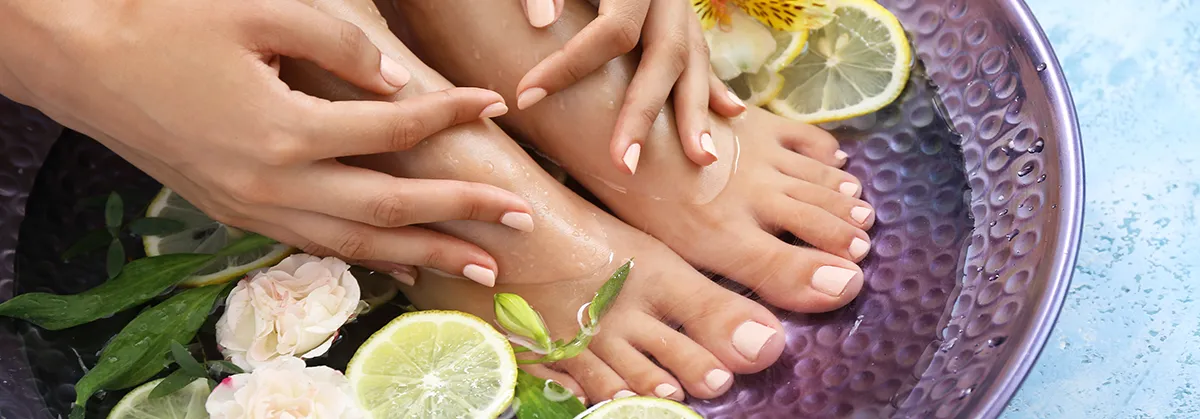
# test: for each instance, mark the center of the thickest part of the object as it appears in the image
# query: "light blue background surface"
(1128, 342)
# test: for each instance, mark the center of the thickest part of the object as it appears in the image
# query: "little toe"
(700, 372)
(796, 278)
(852, 210)
(812, 171)
(597, 378)
(815, 226)
(643, 375)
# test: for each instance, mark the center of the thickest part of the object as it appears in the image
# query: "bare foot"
(773, 175)
(570, 253)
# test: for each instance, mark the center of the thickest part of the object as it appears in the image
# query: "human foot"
(558, 266)
(773, 175)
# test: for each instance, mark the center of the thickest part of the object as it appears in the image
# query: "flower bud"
(516, 316)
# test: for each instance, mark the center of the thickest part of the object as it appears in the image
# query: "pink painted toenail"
(848, 189)
(632, 154)
(623, 394)
(706, 144)
(480, 274)
(750, 337)
(832, 280)
(717, 379)
(859, 248)
(860, 214)
(665, 390)
(518, 220)
(530, 97)
(840, 155)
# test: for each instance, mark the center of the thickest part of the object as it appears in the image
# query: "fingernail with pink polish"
(540, 12)
(482, 275)
(632, 155)
(393, 73)
(494, 110)
(734, 97)
(404, 276)
(706, 144)
(840, 155)
(518, 220)
(530, 97)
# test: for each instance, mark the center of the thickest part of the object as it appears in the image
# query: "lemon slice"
(642, 408)
(744, 48)
(788, 46)
(855, 65)
(757, 89)
(434, 364)
(205, 235)
(187, 403)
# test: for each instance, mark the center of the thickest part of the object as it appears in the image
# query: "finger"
(381, 200)
(664, 58)
(413, 246)
(296, 30)
(542, 13)
(691, 100)
(722, 100)
(352, 128)
(614, 33)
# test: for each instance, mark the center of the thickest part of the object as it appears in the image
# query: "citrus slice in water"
(202, 234)
(434, 364)
(855, 65)
(187, 403)
(788, 47)
(757, 89)
(642, 408)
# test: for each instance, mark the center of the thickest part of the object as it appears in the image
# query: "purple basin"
(976, 174)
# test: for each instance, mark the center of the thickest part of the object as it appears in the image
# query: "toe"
(796, 278)
(643, 375)
(598, 380)
(813, 171)
(544, 372)
(813, 142)
(815, 226)
(852, 210)
(700, 372)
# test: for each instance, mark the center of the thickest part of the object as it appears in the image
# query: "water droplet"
(966, 392)
(555, 392)
(996, 341)
(488, 166)
(1012, 235)
(994, 277)
(1041, 178)
(1037, 146)
(1041, 67)
(1025, 169)
(992, 224)
(1002, 212)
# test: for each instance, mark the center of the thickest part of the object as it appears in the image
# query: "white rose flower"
(285, 389)
(293, 309)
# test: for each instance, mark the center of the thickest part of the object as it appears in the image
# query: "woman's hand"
(674, 58)
(189, 92)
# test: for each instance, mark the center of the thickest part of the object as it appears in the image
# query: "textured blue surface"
(1128, 342)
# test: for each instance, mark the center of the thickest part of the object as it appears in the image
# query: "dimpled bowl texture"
(975, 174)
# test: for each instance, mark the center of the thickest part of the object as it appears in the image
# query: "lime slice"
(205, 235)
(744, 48)
(187, 403)
(788, 46)
(757, 89)
(855, 65)
(434, 364)
(642, 408)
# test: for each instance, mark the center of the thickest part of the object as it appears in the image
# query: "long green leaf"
(116, 258)
(186, 362)
(114, 211)
(155, 226)
(93, 240)
(532, 393)
(140, 350)
(245, 244)
(174, 382)
(608, 293)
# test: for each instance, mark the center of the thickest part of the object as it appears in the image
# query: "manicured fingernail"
(530, 97)
(480, 274)
(859, 248)
(518, 220)
(706, 144)
(494, 110)
(623, 394)
(582, 400)
(750, 337)
(393, 73)
(840, 155)
(665, 390)
(860, 214)
(848, 189)
(540, 12)
(717, 379)
(832, 280)
(404, 277)
(733, 96)
(632, 154)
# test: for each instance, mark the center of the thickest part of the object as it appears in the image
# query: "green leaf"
(224, 367)
(139, 351)
(137, 283)
(174, 382)
(608, 293)
(156, 226)
(114, 211)
(534, 403)
(186, 362)
(93, 240)
(116, 258)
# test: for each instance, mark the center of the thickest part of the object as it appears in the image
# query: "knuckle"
(279, 149)
(354, 244)
(649, 114)
(624, 32)
(391, 211)
(351, 39)
(407, 132)
(248, 189)
(434, 256)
